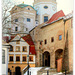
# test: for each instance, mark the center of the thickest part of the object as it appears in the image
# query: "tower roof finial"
(23, 2)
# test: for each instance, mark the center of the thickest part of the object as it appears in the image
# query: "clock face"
(54, 8)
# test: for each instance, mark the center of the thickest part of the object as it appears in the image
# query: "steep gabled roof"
(56, 16)
(28, 39)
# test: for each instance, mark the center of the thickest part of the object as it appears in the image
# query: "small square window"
(41, 43)
(11, 58)
(28, 19)
(17, 48)
(52, 39)
(17, 42)
(60, 37)
(17, 58)
(24, 49)
(16, 20)
(31, 58)
(24, 58)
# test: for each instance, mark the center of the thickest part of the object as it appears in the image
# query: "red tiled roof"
(56, 16)
(6, 38)
(32, 50)
(29, 40)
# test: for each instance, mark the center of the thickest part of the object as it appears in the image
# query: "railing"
(25, 69)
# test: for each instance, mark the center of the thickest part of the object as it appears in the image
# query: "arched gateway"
(46, 59)
(18, 71)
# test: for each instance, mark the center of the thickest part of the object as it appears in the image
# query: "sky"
(65, 5)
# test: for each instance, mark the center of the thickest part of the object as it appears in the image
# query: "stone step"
(44, 71)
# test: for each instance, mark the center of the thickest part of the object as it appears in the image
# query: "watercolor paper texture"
(37, 37)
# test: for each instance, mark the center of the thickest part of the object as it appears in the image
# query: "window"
(11, 58)
(24, 48)
(24, 58)
(15, 8)
(16, 20)
(45, 7)
(60, 37)
(41, 43)
(8, 69)
(33, 32)
(28, 19)
(17, 58)
(3, 56)
(17, 48)
(45, 18)
(31, 58)
(16, 28)
(17, 42)
(45, 41)
(11, 48)
(28, 8)
(52, 39)
(26, 29)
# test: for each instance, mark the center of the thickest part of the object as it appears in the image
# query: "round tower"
(45, 9)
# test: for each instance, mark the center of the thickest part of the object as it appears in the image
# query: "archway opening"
(18, 70)
(58, 59)
(46, 59)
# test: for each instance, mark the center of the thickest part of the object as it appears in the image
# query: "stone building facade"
(54, 40)
(51, 32)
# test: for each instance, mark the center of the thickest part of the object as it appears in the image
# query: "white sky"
(65, 5)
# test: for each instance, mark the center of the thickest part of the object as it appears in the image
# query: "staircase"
(44, 71)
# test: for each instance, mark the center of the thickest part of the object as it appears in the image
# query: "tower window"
(28, 8)
(16, 28)
(28, 19)
(45, 7)
(45, 18)
(26, 29)
(16, 20)
(52, 39)
(60, 37)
